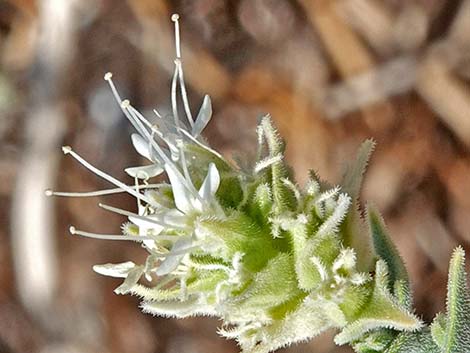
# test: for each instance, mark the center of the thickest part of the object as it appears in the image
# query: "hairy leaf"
(388, 252)
(457, 336)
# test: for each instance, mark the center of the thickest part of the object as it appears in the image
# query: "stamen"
(174, 105)
(108, 77)
(178, 252)
(184, 94)
(140, 116)
(104, 192)
(133, 112)
(82, 233)
(135, 215)
(157, 113)
(199, 143)
(175, 17)
(68, 150)
(184, 164)
(139, 203)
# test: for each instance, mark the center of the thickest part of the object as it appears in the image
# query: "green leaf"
(413, 342)
(283, 197)
(275, 284)
(457, 338)
(438, 330)
(374, 342)
(236, 234)
(398, 279)
(352, 228)
(261, 204)
(382, 311)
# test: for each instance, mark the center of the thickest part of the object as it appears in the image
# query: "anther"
(108, 76)
(66, 149)
(175, 17)
(125, 103)
(48, 192)
(72, 230)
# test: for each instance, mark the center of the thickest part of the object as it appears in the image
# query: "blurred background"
(331, 73)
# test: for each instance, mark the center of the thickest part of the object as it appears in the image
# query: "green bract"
(276, 262)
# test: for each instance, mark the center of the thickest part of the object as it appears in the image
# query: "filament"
(104, 192)
(135, 215)
(68, 150)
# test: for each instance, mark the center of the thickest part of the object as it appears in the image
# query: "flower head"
(273, 260)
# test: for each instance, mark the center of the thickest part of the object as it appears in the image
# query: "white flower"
(167, 232)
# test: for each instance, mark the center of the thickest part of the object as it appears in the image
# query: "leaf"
(273, 285)
(261, 204)
(332, 223)
(382, 311)
(236, 233)
(352, 179)
(352, 228)
(374, 342)
(312, 317)
(283, 197)
(413, 342)
(388, 252)
(179, 309)
(457, 336)
(438, 330)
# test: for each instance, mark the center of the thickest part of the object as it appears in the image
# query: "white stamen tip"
(125, 103)
(66, 149)
(108, 76)
(175, 17)
(48, 192)
(72, 230)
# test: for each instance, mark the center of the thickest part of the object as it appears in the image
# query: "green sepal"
(275, 284)
(413, 342)
(352, 229)
(260, 205)
(374, 342)
(202, 282)
(237, 234)
(438, 330)
(398, 280)
(354, 299)
(457, 334)
(382, 311)
(283, 197)
(230, 193)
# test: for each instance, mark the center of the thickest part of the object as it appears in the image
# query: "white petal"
(203, 117)
(130, 281)
(171, 262)
(145, 172)
(181, 193)
(114, 270)
(141, 146)
(172, 217)
(144, 226)
(211, 183)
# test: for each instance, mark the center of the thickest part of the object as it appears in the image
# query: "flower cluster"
(278, 263)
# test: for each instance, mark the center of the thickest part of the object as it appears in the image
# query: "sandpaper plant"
(276, 262)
